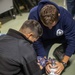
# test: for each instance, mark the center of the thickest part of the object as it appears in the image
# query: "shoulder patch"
(59, 32)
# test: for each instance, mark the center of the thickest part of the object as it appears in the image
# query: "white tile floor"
(16, 23)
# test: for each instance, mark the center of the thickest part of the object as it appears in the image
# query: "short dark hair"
(34, 26)
(49, 10)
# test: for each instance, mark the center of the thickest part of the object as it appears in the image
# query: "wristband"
(64, 64)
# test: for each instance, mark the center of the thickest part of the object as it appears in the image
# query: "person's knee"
(59, 53)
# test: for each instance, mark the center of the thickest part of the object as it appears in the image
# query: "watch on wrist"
(64, 64)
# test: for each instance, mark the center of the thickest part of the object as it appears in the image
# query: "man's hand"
(41, 61)
(41, 67)
(60, 67)
(47, 68)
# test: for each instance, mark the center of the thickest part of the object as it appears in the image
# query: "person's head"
(49, 15)
(31, 29)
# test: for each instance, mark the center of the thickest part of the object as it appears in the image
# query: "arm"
(69, 31)
(39, 48)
